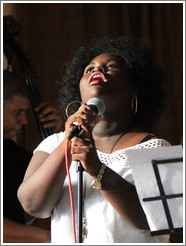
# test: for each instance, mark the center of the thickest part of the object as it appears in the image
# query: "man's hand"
(50, 117)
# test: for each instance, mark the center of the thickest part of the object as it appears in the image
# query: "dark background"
(50, 32)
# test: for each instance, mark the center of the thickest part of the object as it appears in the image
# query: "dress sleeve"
(50, 143)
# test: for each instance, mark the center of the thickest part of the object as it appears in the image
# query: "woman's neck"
(110, 136)
(111, 127)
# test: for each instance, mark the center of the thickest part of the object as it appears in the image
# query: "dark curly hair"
(143, 72)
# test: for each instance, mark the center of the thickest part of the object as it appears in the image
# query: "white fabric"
(104, 224)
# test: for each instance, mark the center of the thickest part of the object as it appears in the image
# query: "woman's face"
(105, 77)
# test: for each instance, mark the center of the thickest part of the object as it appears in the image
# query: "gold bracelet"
(97, 184)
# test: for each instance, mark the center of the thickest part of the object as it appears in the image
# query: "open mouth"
(97, 78)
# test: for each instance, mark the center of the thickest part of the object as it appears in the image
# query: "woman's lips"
(96, 82)
(97, 78)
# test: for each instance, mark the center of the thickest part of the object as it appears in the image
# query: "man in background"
(16, 228)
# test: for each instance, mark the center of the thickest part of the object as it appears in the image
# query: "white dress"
(103, 224)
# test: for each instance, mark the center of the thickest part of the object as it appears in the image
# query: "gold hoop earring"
(73, 107)
(134, 104)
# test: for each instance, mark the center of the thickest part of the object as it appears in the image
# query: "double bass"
(19, 64)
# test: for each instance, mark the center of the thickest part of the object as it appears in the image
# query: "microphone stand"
(99, 108)
(78, 132)
(80, 201)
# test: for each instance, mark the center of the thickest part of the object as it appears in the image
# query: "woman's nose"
(98, 68)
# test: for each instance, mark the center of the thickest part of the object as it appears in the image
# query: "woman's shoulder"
(152, 143)
(51, 142)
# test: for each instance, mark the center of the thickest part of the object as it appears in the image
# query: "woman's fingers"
(83, 117)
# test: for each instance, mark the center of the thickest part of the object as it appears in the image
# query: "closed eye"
(112, 66)
(19, 112)
(88, 69)
(106, 67)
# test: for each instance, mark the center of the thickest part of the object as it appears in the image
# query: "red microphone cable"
(70, 189)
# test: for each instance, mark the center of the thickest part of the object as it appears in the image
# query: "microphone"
(98, 105)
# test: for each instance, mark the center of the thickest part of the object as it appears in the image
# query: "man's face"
(14, 116)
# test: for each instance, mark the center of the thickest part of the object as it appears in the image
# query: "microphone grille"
(98, 103)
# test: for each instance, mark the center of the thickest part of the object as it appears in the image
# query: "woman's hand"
(84, 117)
(83, 149)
